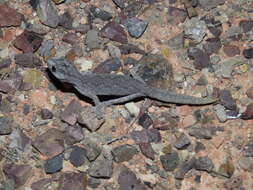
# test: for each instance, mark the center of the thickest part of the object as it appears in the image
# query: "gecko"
(125, 88)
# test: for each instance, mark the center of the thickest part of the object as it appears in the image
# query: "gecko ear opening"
(53, 69)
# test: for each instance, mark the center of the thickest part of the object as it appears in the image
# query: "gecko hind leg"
(101, 106)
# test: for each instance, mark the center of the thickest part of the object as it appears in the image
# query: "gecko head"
(61, 69)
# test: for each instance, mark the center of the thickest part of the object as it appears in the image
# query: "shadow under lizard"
(93, 85)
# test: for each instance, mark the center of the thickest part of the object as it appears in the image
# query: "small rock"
(226, 169)
(6, 124)
(70, 114)
(46, 49)
(18, 173)
(41, 184)
(176, 15)
(28, 60)
(28, 41)
(221, 113)
(71, 38)
(127, 179)
(66, 21)
(73, 134)
(248, 53)
(154, 135)
(176, 42)
(199, 146)
(170, 161)
(46, 114)
(140, 136)
(227, 100)
(77, 156)
(124, 153)
(130, 48)
(109, 65)
(53, 165)
(88, 118)
(32, 77)
(135, 26)
(212, 45)
(93, 182)
(195, 30)
(248, 113)
(200, 57)
(246, 163)
(47, 13)
(19, 140)
(100, 13)
(234, 183)
(92, 40)
(147, 150)
(248, 149)
(50, 143)
(102, 167)
(231, 50)
(114, 51)
(73, 181)
(184, 168)
(9, 16)
(115, 32)
(26, 109)
(200, 132)
(145, 121)
(246, 25)
(5, 63)
(11, 84)
(204, 164)
(215, 27)
(93, 149)
(182, 142)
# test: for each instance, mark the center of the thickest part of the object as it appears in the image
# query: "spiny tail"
(170, 97)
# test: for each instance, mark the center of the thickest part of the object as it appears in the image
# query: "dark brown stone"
(19, 173)
(176, 15)
(28, 60)
(115, 32)
(70, 38)
(147, 150)
(70, 114)
(28, 41)
(9, 16)
(73, 181)
(231, 50)
(50, 143)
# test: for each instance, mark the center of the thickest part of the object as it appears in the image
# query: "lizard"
(125, 88)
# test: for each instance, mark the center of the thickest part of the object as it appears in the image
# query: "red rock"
(9, 16)
(115, 32)
(19, 173)
(147, 150)
(50, 143)
(176, 15)
(73, 181)
(231, 50)
(28, 41)
(70, 114)
(70, 38)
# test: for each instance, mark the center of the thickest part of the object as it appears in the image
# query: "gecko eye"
(53, 69)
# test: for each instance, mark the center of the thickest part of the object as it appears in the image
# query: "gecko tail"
(170, 97)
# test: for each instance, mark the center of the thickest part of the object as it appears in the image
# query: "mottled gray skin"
(127, 88)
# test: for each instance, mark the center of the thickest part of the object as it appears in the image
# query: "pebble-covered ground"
(50, 137)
